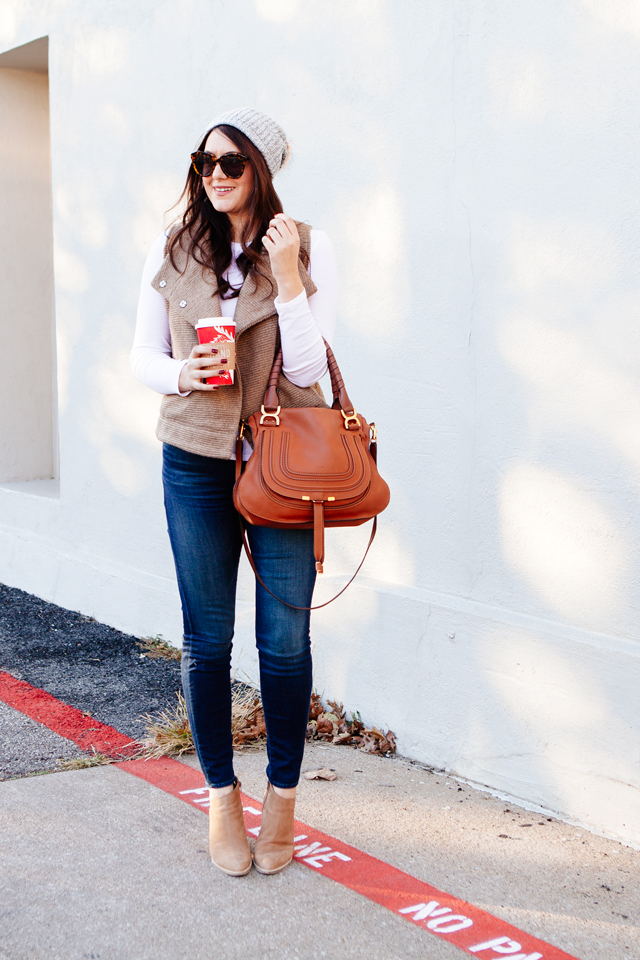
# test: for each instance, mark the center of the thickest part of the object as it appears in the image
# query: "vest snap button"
(183, 303)
(162, 283)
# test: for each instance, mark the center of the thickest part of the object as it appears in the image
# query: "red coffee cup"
(222, 331)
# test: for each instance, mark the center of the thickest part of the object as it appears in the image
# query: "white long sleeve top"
(303, 321)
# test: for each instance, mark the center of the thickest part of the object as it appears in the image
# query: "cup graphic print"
(222, 332)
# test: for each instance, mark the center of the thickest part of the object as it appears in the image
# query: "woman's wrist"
(289, 288)
(183, 387)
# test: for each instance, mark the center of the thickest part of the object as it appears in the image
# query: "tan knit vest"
(207, 422)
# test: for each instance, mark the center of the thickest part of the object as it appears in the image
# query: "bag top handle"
(341, 399)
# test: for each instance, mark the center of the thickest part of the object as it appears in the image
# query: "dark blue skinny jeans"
(206, 541)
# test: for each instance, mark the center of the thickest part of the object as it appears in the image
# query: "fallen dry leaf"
(325, 725)
(315, 708)
(343, 738)
(323, 774)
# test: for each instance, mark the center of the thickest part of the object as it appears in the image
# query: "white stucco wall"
(475, 166)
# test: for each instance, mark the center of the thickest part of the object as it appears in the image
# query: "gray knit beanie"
(264, 133)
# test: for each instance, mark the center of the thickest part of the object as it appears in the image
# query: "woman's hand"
(282, 243)
(200, 365)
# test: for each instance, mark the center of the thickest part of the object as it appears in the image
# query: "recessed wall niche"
(27, 367)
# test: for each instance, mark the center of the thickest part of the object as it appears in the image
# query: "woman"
(236, 254)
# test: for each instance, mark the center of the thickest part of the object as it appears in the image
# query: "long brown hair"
(207, 232)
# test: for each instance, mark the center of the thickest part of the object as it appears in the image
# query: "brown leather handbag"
(312, 467)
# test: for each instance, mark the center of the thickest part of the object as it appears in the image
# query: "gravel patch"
(83, 663)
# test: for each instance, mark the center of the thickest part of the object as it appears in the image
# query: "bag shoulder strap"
(293, 605)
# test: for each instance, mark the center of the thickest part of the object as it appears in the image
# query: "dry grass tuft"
(155, 647)
(93, 759)
(168, 735)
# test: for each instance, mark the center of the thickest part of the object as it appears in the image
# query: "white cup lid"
(215, 322)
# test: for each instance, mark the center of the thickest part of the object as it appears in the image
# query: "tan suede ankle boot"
(228, 842)
(274, 847)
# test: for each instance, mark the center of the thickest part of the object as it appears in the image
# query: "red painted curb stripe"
(473, 930)
(70, 723)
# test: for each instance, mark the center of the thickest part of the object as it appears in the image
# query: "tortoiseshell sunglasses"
(231, 164)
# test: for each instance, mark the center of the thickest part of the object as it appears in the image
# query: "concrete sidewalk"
(99, 864)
